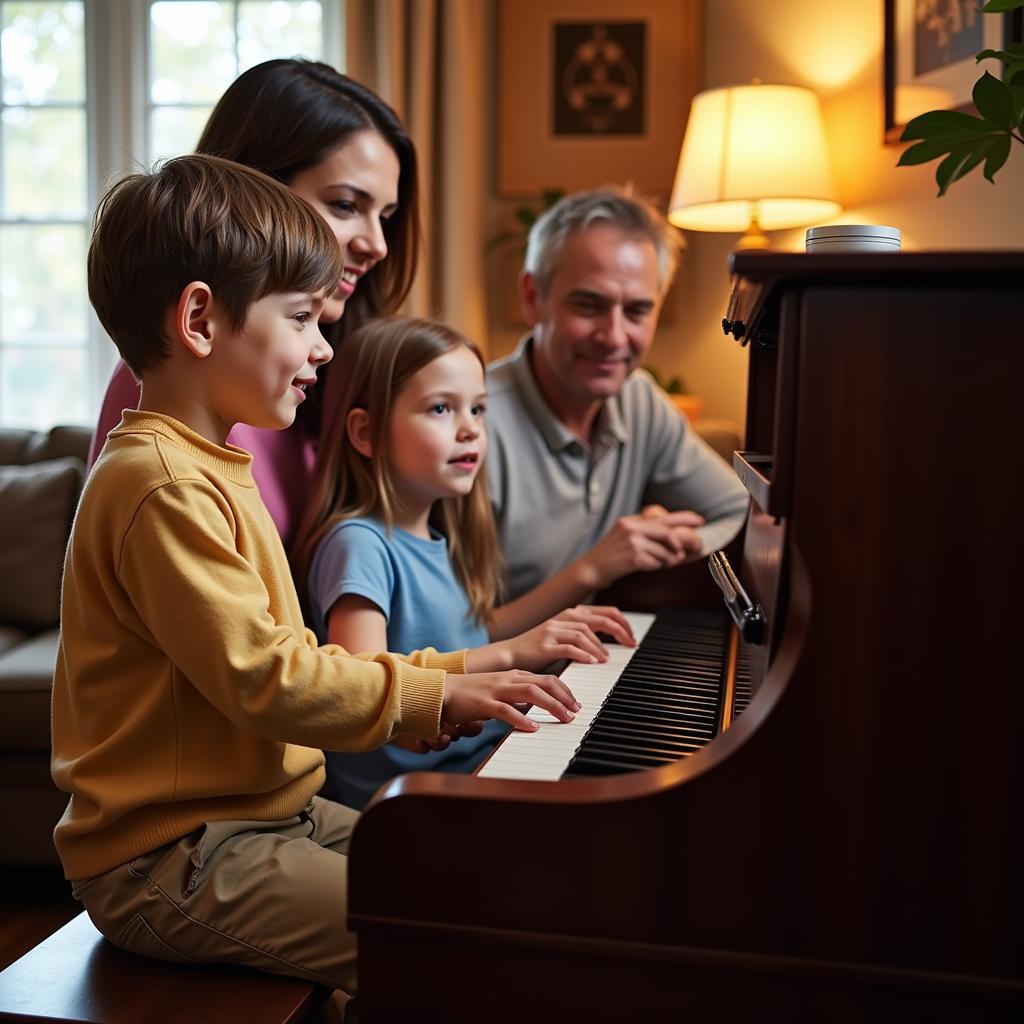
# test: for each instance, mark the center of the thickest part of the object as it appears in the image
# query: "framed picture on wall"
(929, 55)
(593, 91)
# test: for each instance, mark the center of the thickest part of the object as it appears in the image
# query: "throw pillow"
(37, 502)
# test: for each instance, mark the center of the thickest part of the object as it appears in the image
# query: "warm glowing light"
(828, 47)
(753, 153)
(912, 100)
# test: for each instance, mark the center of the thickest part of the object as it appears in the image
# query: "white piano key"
(538, 756)
(545, 745)
(549, 773)
(545, 754)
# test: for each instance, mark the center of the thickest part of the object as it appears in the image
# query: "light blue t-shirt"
(411, 580)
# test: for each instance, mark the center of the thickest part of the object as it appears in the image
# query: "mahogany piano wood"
(851, 848)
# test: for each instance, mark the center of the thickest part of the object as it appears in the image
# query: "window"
(91, 89)
(44, 319)
(219, 41)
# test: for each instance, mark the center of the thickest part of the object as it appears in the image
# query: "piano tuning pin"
(726, 325)
(739, 328)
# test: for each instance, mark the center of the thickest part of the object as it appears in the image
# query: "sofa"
(40, 479)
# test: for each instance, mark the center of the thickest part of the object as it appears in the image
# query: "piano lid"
(990, 267)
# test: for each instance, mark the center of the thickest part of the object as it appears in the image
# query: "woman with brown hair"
(339, 146)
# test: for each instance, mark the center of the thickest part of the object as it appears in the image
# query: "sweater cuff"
(422, 698)
(450, 661)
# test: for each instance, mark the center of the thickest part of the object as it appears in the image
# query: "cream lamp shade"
(754, 157)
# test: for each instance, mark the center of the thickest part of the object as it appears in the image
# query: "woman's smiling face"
(355, 189)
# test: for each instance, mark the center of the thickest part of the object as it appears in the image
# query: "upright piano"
(846, 844)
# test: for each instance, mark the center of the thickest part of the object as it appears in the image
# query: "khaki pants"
(266, 894)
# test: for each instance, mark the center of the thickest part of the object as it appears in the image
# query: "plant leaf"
(997, 157)
(937, 122)
(993, 100)
(998, 6)
(960, 162)
(1017, 94)
(922, 152)
(1007, 56)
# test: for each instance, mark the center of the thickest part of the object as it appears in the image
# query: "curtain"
(426, 58)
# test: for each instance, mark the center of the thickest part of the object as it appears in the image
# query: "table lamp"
(754, 159)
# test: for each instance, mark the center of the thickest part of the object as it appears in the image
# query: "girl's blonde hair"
(379, 359)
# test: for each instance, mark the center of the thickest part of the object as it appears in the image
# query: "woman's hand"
(504, 696)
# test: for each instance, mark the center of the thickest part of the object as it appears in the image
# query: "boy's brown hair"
(200, 218)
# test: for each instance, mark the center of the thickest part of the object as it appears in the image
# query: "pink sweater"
(283, 460)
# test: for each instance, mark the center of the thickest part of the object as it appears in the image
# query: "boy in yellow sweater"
(189, 703)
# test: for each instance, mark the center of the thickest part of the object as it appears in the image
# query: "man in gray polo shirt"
(593, 472)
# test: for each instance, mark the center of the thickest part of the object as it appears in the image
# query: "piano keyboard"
(546, 753)
(646, 706)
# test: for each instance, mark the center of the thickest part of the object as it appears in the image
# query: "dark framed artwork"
(599, 76)
(593, 91)
(929, 55)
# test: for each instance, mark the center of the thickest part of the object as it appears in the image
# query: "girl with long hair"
(343, 149)
(398, 548)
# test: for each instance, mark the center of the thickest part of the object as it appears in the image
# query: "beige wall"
(835, 48)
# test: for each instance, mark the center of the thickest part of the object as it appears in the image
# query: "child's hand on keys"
(571, 634)
(504, 696)
(603, 620)
(449, 734)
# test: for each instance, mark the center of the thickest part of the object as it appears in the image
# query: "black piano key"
(667, 703)
(744, 688)
(628, 761)
(683, 704)
(668, 736)
(652, 720)
(589, 766)
(619, 712)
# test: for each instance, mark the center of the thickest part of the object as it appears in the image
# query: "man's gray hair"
(630, 213)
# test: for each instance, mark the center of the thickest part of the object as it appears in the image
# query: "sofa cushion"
(59, 443)
(19, 447)
(14, 445)
(26, 680)
(37, 502)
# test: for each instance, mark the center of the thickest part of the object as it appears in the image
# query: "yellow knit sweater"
(187, 688)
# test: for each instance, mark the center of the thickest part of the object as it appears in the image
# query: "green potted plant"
(525, 217)
(963, 140)
(511, 243)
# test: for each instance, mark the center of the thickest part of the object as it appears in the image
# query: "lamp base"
(753, 238)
